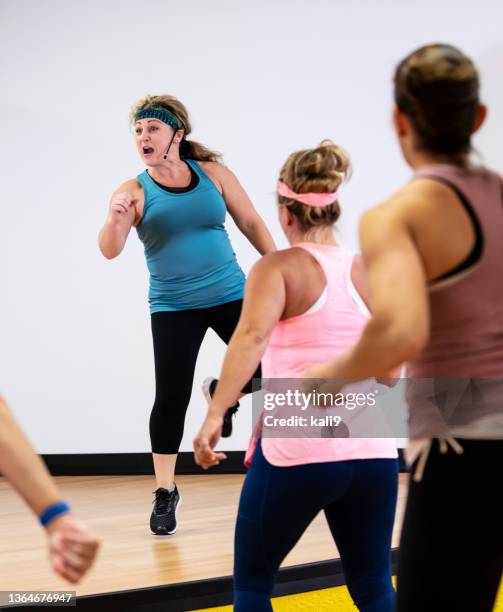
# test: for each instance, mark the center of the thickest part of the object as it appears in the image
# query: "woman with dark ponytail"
(434, 254)
(178, 206)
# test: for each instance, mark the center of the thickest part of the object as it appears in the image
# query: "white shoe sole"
(176, 515)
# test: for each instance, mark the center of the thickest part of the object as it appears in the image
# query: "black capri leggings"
(451, 549)
(177, 337)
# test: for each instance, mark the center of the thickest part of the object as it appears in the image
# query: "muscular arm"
(360, 283)
(241, 208)
(263, 306)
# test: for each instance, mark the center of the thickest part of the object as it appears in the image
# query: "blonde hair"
(319, 170)
(189, 149)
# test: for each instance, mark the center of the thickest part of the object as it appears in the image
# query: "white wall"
(260, 79)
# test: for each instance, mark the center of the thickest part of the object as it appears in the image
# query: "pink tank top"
(313, 338)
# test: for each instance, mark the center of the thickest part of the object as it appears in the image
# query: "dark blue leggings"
(278, 503)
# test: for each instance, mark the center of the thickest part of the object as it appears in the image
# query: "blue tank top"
(188, 251)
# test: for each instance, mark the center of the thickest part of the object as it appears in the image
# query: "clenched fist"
(120, 205)
(72, 547)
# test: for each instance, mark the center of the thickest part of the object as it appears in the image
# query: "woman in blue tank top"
(178, 206)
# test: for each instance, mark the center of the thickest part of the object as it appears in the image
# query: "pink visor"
(309, 199)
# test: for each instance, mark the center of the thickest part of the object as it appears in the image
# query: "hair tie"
(309, 199)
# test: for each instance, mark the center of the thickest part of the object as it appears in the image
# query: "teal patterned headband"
(161, 113)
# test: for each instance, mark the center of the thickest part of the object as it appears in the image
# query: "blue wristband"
(52, 512)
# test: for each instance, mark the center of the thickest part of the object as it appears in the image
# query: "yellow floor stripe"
(325, 600)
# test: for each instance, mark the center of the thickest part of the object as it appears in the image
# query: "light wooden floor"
(118, 508)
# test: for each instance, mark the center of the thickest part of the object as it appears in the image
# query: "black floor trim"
(134, 464)
(214, 592)
(124, 464)
(198, 594)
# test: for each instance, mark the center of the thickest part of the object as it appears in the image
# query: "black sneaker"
(209, 386)
(163, 517)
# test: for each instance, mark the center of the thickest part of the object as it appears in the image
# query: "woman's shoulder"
(131, 185)
(214, 169)
(284, 258)
(217, 172)
(416, 199)
(211, 165)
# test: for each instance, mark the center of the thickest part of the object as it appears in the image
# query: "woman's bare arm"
(263, 306)
(241, 208)
(123, 213)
